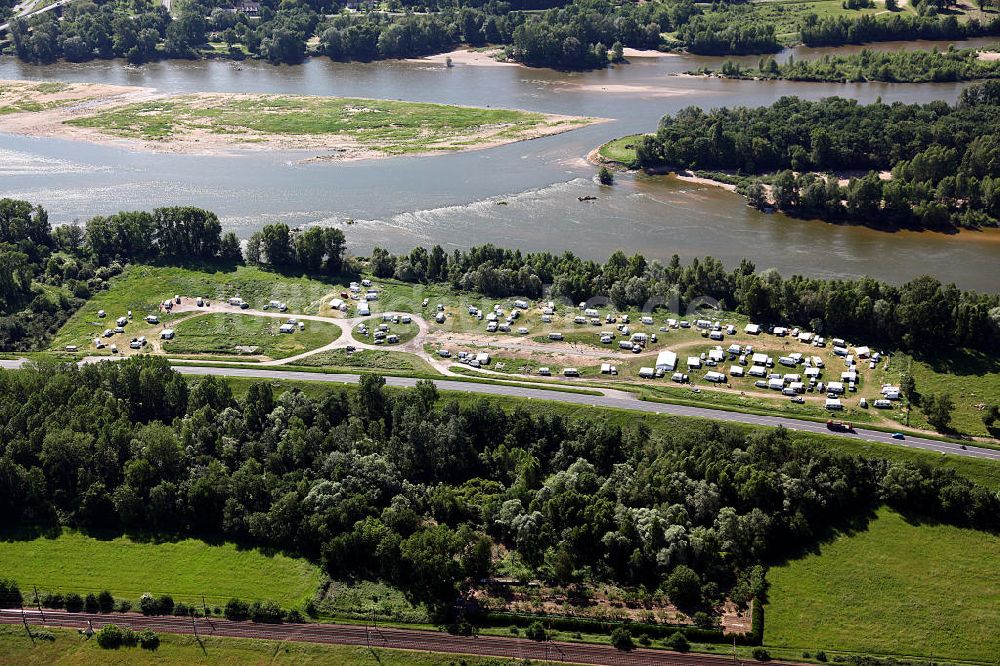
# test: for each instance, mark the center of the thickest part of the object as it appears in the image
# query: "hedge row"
(592, 626)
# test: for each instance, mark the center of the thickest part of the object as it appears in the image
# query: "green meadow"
(895, 588)
(70, 649)
(221, 333)
(186, 569)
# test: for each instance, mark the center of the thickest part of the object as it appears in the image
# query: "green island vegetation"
(185, 568)
(877, 575)
(382, 126)
(227, 333)
(430, 494)
(902, 67)
(939, 169)
(23, 96)
(64, 646)
(578, 34)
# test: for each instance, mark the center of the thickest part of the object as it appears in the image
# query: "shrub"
(461, 628)
(166, 603)
(760, 654)
(514, 630)
(74, 602)
(266, 611)
(112, 637)
(10, 594)
(294, 616)
(90, 603)
(148, 640)
(236, 609)
(678, 642)
(123, 605)
(535, 631)
(621, 638)
(53, 600)
(181, 609)
(645, 640)
(821, 656)
(148, 605)
(605, 176)
(105, 602)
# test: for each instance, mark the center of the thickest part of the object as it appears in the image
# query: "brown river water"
(520, 195)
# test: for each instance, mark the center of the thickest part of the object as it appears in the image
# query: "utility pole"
(24, 621)
(38, 602)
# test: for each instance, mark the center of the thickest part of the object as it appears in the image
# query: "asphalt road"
(615, 399)
(609, 398)
(375, 637)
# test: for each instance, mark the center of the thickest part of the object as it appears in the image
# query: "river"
(523, 195)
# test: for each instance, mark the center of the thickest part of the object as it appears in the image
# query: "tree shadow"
(844, 526)
(962, 362)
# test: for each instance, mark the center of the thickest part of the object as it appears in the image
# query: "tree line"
(402, 486)
(944, 164)
(932, 66)
(580, 34)
(47, 273)
(921, 316)
(839, 30)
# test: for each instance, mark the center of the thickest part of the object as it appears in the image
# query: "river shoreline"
(985, 235)
(595, 158)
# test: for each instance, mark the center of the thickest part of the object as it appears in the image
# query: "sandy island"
(329, 128)
(488, 57)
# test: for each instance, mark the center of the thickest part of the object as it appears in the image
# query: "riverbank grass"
(186, 569)
(621, 151)
(931, 590)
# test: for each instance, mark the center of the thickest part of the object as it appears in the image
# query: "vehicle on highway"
(898, 435)
(842, 426)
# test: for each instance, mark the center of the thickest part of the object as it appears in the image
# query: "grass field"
(384, 126)
(142, 288)
(972, 380)
(221, 333)
(188, 569)
(69, 648)
(370, 359)
(621, 151)
(896, 588)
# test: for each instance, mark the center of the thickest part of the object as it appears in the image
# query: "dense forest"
(942, 163)
(575, 35)
(838, 30)
(578, 35)
(48, 273)
(932, 66)
(395, 485)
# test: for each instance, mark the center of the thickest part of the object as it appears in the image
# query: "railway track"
(373, 637)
